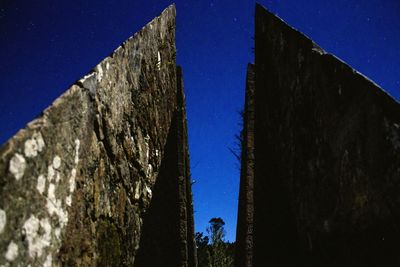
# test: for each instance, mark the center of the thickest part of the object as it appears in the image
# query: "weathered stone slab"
(327, 164)
(244, 232)
(172, 199)
(76, 182)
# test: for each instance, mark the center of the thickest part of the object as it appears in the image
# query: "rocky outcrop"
(245, 220)
(327, 164)
(77, 184)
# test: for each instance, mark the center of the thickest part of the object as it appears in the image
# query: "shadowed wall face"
(244, 233)
(168, 228)
(77, 182)
(326, 157)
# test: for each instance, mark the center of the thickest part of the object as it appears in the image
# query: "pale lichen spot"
(146, 139)
(158, 61)
(38, 234)
(56, 162)
(107, 66)
(58, 177)
(99, 75)
(50, 173)
(3, 220)
(137, 190)
(149, 170)
(34, 145)
(48, 262)
(30, 148)
(52, 197)
(39, 140)
(72, 181)
(77, 145)
(68, 200)
(12, 251)
(54, 206)
(57, 232)
(41, 184)
(148, 191)
(17, 166)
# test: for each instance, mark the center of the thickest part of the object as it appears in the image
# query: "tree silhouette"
(212, 250)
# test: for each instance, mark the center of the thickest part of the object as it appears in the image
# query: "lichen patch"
(50, 173)
(57, 232)
(56, 162)
(48, 262)
(41, 184)
(72, 181)
(38, 234)
(158, 61)
(54, 206)
(77, 145)
(30, 148)
(100, 73)
(17, 166)
(34, 145)
(137, 190)
(149, 171)
(68, 200)
(12, 251)
(149, 192)
(3, 220)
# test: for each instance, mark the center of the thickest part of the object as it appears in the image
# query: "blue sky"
(46, 45)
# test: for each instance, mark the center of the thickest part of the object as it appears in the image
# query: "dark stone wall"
(244, 230)
(327, 172)
(80, 184)
(170, 242)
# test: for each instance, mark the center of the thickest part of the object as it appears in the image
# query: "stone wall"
(172, 199)
(77, 183)
(327, 140)
(244, 230)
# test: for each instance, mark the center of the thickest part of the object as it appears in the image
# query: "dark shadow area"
(160, 234)
(167, 237)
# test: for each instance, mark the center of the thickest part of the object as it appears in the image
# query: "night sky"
(47, 45)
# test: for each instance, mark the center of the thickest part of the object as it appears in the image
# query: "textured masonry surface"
(326, 155)
(245, 221)
(77, 182)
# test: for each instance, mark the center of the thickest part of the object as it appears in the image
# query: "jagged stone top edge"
(170, 8)
(316, 48)
(165, 13)
(40, 119)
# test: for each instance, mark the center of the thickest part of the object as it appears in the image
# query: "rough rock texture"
(327, 161)
(77, 182)
(244, 231)
(172, 199)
